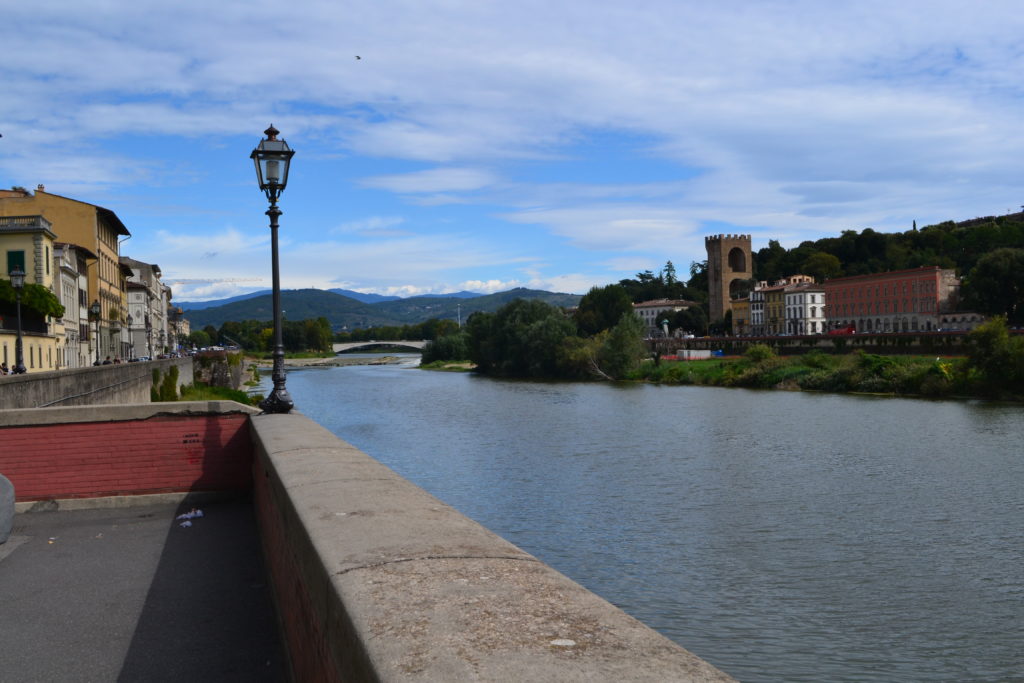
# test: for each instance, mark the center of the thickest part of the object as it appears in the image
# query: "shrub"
(450, 347)
(169, 386)
(759, 353)
(816, 359)
(205, 392)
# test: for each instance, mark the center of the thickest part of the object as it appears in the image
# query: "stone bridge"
(402, 343)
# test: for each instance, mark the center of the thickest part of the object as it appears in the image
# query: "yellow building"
(26, 242)
(774, 309)
(96, 229)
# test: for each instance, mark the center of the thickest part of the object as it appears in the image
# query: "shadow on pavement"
(208, 614)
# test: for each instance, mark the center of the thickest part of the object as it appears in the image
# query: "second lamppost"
(95, 309)
(272, 158)
(131, 339)
(18, 283)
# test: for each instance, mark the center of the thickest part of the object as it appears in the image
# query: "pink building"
(897, 301)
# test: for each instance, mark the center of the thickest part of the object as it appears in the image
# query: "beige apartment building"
(98, 231)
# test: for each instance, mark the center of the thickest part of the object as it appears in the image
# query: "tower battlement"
(719, 238)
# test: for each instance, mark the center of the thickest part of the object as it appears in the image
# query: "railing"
(23, 222)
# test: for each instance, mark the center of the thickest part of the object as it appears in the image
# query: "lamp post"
(18, 282)
(131, 339)
(94, 310)
(272, 158)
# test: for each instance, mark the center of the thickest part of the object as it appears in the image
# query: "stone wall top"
(118, 413)
(405, 588)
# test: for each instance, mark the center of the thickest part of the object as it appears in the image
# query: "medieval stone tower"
(729, 264)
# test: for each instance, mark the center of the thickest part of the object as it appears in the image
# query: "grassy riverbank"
(993, 367)
(855, 372)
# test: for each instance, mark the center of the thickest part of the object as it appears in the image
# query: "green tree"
(523, 338)
(997, 357)
(698, 281)
(623, 348)
(34, 298)
(450, 347)
(690, 320)
(668, 273)
(199, 339)
(317, 334)
(821, 266)
(769, 262)
(601, 308)
(996, 284)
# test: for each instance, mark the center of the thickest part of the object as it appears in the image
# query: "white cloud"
(787, 120)
(487, 286)
(228, 241)
(433, 180)
(613, 226)
(372, 225)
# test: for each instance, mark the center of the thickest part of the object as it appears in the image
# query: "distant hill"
(420, 308)
(344, 312)
(200, 305)
(358, 296)
(365, 298)
(298, 304)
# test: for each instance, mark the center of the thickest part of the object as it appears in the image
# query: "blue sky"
(483, 145)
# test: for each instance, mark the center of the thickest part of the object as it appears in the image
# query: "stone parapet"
(375, 579)
(95, 385)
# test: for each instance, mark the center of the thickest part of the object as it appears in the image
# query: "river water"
(781, 536)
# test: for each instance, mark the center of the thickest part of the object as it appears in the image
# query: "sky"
(449, 145)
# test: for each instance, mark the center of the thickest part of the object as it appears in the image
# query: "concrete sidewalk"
(128, 594)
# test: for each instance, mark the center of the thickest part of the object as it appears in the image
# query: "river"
(780, 536)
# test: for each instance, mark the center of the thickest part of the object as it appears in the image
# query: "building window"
(15, 258)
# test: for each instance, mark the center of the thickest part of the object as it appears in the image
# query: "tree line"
(312, 334)
(531, 338)
(427, 330)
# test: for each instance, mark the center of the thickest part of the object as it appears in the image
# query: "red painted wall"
(158, 455)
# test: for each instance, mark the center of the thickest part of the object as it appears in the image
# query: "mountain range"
(358, 296)
(345, 312)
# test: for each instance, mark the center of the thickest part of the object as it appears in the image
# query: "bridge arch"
(406, 344)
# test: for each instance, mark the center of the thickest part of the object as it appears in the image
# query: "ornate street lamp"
(18, 282)
(94, 311)
(272, 158)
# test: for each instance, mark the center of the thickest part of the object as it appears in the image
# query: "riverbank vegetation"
(254, 336)
(200, 391)
(993, 368)
(531, 339)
